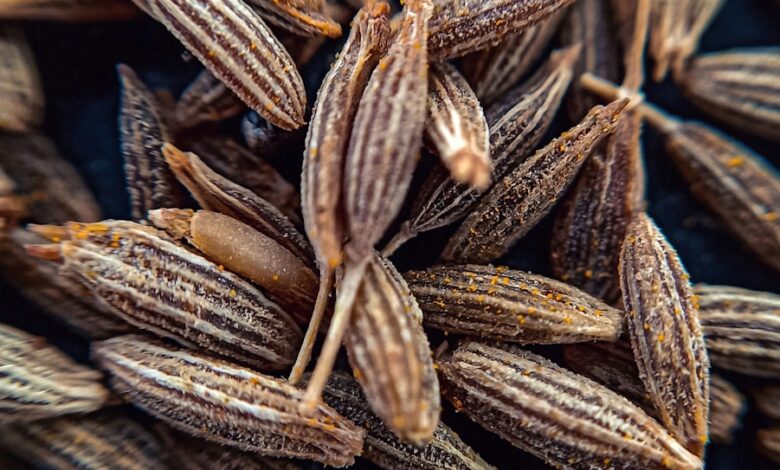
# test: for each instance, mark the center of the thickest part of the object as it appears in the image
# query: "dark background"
(77, 66)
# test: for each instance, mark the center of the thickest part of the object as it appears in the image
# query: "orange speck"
(734, 162)
(588, 274)
(232, 293)
(661, 337)
(771, 216)
(275, 277)
(472, 287)
(220, 268)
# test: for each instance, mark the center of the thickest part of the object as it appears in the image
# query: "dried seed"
(387, 345)
(66, 10)
(189, 453)
(217, 193)
(143, 132)
(666, 336)
(457, 128)
(768, 441)
(257, 413)
(556, 415)
(726, 408)
(738, 87)
(517, 123)
(459, 27)
(233, 43)
(51, 188)
(742, 329)
(768, 401)
(305, 18)
(40, 381)
(206, 99)
(445, 451)
(493, 72)
(97, 441)
(525, 195)
(21, 98)
(240, 249)
(154, 284)
(509, 305)
(236, 163)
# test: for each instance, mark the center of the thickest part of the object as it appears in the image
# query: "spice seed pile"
(237, 319)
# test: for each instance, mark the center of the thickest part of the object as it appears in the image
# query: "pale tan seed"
(234, 43)
(667, 339)
(768, 401)
(742, 329)
(518, 202)
(206, 99)
(768, 443)
(40, 381)
(255, 412)
(21, 95)
(561, 417)
(509, 305)
(149, 281)
(456, 127)
(303, 18)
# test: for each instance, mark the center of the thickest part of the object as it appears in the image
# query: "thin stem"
(634, 60)
(304, 355)
(405, 233)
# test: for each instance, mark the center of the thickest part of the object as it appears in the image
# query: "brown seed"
(148, 280)
(738, 87)
(206, 99)
(509, 305)
(768, 443)
(768, 401)
(217, 193)
(561, 417)
(493, 72)
(234, 44)
(304, 18)
(97, 441)
(66, 10)
(528, 193)
(389, 351)
(51, 189)
(742, 329)
(143, 132)
(459, 27)
(255, 412)
(456, 127)
(666, 336)
(240, 249)
(445, 451)
(517, 124)
(39, 381)
(21, 98)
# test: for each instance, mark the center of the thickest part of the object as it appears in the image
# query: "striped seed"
(768, 401)
(206, 99)
(307, 18)
(768, 443)
(21, 96)
(256, 413)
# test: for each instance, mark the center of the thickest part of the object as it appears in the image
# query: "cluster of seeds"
(203, 309)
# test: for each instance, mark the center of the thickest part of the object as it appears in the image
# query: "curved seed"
(768, 441)
(768, 401)
(255, 412)
(206, 99)
(21, 95)
(301, 18)
(666, 336)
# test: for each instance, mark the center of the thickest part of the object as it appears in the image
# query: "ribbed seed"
(206, 99)
(51, 188)
(219, 194)
(516, 124)
(234, 44)
(561, 417)
(186, 452)
(456, 127)
(459, 27)
(66, 10)
(240, 249)
(739, 87)
(726, 407)
(390, 355)
(666, 336)
(63, 298)
(39, 381)
(768, 443)
(768, 401)
(21, 96)
(305, 18)
(143, 132)
(445, 451)
(508, 305)
(493, 72)
(528, 193)
(98, 441)
(226, 404)
(154, 284)
(742, 329)
(245, 168)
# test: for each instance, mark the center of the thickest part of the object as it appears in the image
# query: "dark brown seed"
(768, 441)
(224, 403)
(304, 18)
(459, 27)
(206, 99)
(768, 401)
(509, 305)
(528, 193)
(560, 417)
(21, 96)
(143, 132)
(742, 328)
(666, 336)
(67, 10)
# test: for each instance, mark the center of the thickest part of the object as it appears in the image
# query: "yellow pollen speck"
(734, 162)
(357, 373)
(677, 310)
(771, 216)
(254, 381)
(531, 310)
(588, 274)
(598, 313)
(472, 287)
(646, 326)
(56, 239)
(607, 461)
(440, 303)
(232, 292)
(275, 277)
(567, 320)
(666, 461)
(480, 298)
(661, 337)
(494, 280)
(220, 268)
(580, 308)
